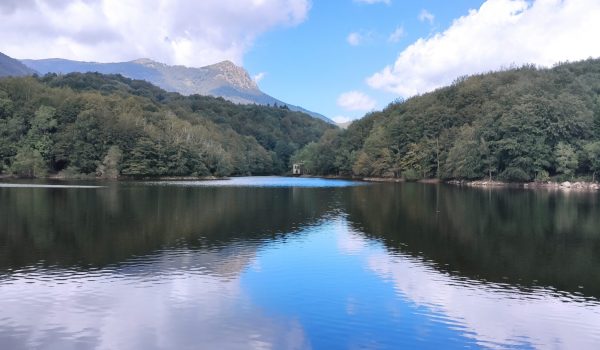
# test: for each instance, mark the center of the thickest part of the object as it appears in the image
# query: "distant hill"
(518, 125)
(223, 79)
(11, 67)
(109, 125)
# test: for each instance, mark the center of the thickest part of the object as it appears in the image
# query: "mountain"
(518, 125)
(11, 67)
(223, 79)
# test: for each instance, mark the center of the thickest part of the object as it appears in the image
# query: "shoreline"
(120, 178)
(578, 186)
(581, 186)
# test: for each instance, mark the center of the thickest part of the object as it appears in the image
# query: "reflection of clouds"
(348, 242)
(495, 315)
(126, 310)
(182, 299)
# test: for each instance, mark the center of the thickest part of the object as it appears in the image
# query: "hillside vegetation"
(108, 125)
(521, 124)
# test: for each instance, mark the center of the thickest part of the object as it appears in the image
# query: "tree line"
(521, 124)
(109, 126)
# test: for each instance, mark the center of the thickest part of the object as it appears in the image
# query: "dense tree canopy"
(107, 125)
(517, 125)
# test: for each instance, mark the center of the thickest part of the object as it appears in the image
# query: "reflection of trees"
(70, 227)
(525, 236)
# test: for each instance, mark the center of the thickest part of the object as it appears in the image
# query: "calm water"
(280, 263)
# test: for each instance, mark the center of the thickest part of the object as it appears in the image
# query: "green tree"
(592, 153)
(109, 168)
(566, 159)
(39, 136)
(489, 160)
(464, 158)
(28, 162)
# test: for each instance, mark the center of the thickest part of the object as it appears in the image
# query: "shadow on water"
(527, 238)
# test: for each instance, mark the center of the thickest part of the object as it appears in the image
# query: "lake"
(295, 263)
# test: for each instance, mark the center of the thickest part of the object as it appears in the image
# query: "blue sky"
(336, 57)
(313, 63)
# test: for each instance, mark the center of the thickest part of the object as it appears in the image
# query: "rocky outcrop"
(566, 186)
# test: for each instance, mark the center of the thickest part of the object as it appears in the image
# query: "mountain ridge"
(12, 67)
(223, 79)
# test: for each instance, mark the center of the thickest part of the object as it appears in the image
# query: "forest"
(109, 126)
(520, 124)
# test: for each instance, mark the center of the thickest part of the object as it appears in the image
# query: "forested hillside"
(11, 67)
(521, 124)
(108, 125)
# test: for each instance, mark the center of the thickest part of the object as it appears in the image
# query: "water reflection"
(133, 266)
(86, 228)
(526, 238)
(138, 306)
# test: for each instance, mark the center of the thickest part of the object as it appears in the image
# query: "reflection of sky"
(349, 292)
(323, 280)
(327, 287)
(170, 301)
(265, 181)
(495, 314)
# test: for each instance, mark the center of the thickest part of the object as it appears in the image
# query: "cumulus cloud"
(426, 16)
(192, 33)
(356, 101)
(499, 34)
(258, 77)
(371, 2)
(396, 35)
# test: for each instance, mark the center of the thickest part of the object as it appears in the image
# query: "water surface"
(293, 263)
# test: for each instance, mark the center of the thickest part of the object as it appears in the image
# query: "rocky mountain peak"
(234, 75)
(224, 79)
(148, 62)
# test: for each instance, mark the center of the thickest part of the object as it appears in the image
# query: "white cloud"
(499, 34)
(361, 37)
(192, 33)
(426, 16)
(340, 119)
(371, 2)
(354, 38)
(258, 77)
(356, 101)
(396, 35)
